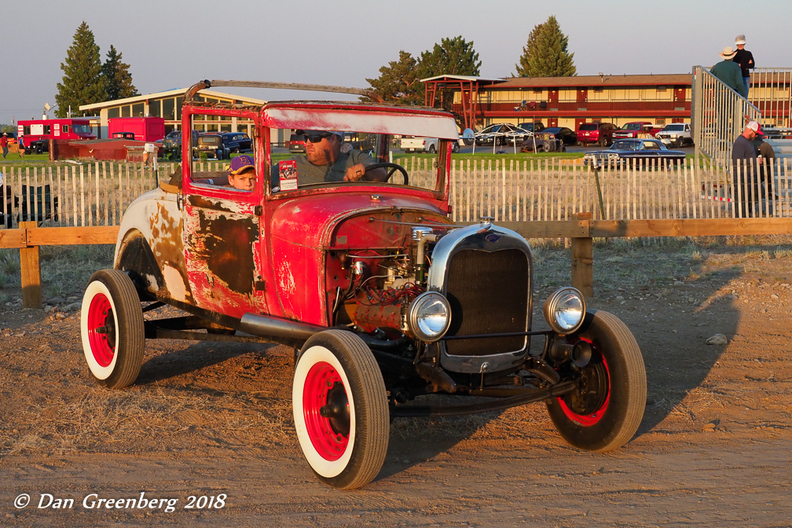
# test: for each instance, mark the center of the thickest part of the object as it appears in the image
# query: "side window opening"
(214, 164)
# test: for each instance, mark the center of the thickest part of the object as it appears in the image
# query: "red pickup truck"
(631, 130)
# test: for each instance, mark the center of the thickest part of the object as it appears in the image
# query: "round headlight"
(429, 316)
(565, 310)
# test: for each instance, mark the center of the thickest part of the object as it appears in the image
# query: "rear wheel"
(340, 409)
(111, 324)
(605, 410)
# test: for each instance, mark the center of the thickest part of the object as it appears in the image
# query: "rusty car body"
(385, 300)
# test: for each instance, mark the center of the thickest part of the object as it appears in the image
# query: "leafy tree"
(398, 81)
(545, 54)
(83, 82)
(451, 57)
(117, 77)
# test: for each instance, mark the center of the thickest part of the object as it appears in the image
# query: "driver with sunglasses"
(324, 161)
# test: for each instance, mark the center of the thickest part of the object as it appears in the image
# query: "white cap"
(753, 125)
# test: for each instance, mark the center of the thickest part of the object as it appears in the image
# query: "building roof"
(461, 78)
(684, 79)
(169, 93)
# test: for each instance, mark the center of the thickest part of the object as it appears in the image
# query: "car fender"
(153, 224)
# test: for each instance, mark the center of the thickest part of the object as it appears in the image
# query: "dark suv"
(535, 127)
(601, 133)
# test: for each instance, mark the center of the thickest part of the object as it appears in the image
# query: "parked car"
(601, 133)
(237, 141)
(500, 134)
(640, 152)
(385, 297)
(566, 135)
(536, 126)
(636, 128)
(422, 144)
(172, 143)
(676, 135)
(364, 142)
(211, 146)
(296, 143)
(37, 147)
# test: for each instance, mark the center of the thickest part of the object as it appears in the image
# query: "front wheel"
(111, 324)
(340, 409)
(606, 408)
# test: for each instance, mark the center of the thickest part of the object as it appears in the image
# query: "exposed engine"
(383, 283)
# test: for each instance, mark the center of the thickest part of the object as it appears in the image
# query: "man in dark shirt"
(744, 59)
(744, 169)
(324, 161)
(729, 72)
(765, 161)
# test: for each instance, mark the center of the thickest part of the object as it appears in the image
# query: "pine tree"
(83, 82)
(545, 54)
(117, 77)
(398, 81)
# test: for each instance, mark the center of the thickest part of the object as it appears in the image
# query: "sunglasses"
(316, 138)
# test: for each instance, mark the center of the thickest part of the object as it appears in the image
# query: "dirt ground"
(213, 422)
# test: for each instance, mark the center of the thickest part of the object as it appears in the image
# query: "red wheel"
(340, 409)
(112, 330)
(605, 410)
(587, 405)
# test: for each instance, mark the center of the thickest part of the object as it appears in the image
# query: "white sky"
(175, 43)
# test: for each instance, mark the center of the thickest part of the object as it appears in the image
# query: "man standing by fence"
(745, 189)
(745, 61)
(729, 72)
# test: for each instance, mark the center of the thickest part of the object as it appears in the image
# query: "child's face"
(244, 181)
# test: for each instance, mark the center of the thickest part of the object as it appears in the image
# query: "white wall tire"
(340, 409)
(111, 326)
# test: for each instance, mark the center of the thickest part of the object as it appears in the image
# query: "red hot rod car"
(384, 298)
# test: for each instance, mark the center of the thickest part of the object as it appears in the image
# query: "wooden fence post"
(583, 259)
(30, 270)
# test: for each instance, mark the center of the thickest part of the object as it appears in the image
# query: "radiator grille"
(489, 294)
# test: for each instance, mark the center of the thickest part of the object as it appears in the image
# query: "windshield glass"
(623, 145)
(82, 129)
(329, 158)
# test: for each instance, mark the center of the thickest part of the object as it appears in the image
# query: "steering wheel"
(393, 168)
